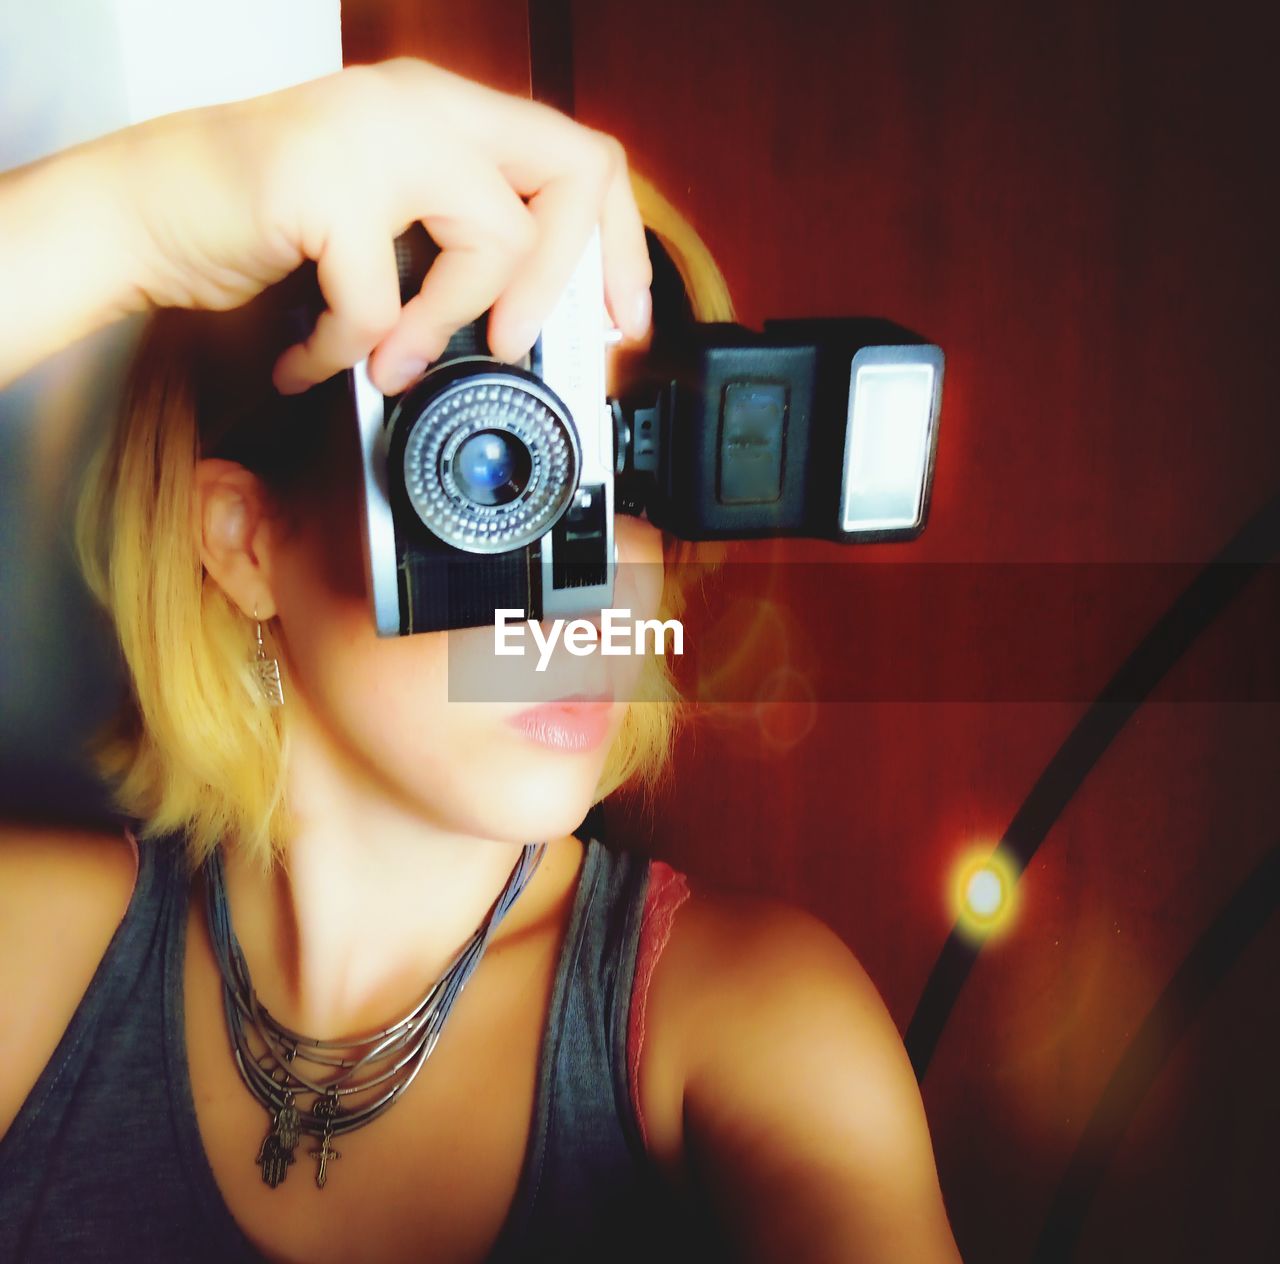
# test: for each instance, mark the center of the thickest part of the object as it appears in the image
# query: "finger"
(628, 271)
(356, 270)
(567, 209)
(482, 244)
(565, 215)
(461, 284)
(589, 185)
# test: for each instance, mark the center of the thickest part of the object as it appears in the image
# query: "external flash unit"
(820, 428)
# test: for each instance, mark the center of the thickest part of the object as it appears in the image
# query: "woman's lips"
(573, 724)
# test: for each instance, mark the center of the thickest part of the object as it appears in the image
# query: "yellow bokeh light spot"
(983, 886)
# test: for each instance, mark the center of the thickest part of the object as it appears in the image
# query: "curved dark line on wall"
(1240, 920)
(1195, 609)
(551, 53)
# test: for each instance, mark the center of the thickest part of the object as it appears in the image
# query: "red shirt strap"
(668, 890)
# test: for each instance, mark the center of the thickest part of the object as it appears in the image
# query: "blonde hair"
(194, 749)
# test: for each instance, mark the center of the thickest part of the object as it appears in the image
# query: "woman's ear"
(232, 526)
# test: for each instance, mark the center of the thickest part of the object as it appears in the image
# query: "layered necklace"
(292, 1067)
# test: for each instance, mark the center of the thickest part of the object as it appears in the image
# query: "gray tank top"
(104, 1160)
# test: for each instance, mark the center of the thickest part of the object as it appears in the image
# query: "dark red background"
(1077, 201)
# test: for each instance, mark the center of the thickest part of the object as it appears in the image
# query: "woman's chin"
(531, 804)
(536, 826)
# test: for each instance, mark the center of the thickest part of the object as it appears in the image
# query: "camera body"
(490, 486)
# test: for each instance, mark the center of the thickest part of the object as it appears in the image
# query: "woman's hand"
(207, 207)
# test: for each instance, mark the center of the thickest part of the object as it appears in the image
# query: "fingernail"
(524, 333)
(410, 371)
(641, 314)
(285, 378)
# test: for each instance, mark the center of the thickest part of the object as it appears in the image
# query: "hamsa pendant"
(276, 1152)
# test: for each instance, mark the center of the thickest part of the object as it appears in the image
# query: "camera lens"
(492, 467)
(491, 456)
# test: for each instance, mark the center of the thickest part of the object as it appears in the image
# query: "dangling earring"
(267, 670)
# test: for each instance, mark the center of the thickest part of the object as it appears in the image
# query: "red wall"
(1077, 201)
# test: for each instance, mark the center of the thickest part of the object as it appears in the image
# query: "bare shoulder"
(737, 936)
(736, 964)
(801, 1117)
(62, 895)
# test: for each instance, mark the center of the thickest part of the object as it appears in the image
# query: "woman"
(618, 1038)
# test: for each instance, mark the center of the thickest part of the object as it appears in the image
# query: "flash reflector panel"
(891, 437)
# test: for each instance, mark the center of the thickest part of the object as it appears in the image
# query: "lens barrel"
(491, 457)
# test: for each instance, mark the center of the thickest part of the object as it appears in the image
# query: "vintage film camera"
(488, 485)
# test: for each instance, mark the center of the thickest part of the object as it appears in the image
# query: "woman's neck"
(373, 900)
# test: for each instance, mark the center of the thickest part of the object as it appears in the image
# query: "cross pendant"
(324, 1154)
